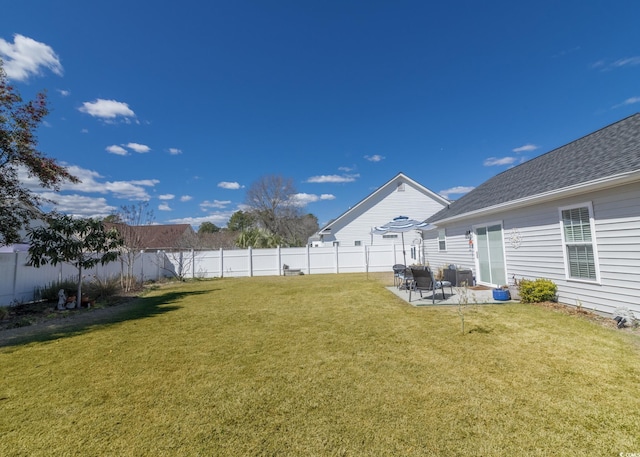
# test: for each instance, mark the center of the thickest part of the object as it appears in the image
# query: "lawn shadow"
(138, 308)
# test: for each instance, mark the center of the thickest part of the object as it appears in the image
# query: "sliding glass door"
(490, 255)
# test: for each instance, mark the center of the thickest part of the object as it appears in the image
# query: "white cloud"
(458, 190)
(64, 93)
(26, 57)
(107, 109)
(628, 101)
(374, 158)
(303, 199)
(164, 207)
(220, 218)
(175, 151)
(186, 198)
(91, 183)
(627, 62)
(603, 65)
(118, 150)
(346, 169)
(137, 147)
(214, 204)
(332, 178)
(229, 185)
(492, 161)
(526, 148)
(80, 205)
(166, 197)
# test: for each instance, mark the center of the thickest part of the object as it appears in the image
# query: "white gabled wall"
(382, 208)
(540, 252)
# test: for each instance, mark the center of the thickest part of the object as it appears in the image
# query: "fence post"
(221, 261)
(336, 247)
(279, 260)
(250, 260)
(365, 255)
(308, 260)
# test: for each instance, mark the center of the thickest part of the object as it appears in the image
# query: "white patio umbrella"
(400, 225)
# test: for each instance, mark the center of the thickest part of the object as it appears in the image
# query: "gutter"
(591, 186)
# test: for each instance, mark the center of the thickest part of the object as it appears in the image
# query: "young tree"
(81, 242)
(126, 222)
(18, 153)
(184, 255)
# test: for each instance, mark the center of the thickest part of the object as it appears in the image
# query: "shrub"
(96, 288)
(101, 288)
(537, 291)
(50, 291)
(4, 312)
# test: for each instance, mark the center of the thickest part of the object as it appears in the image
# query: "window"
(442, 241)
(390, 236)
(357, 243)
(579, 242)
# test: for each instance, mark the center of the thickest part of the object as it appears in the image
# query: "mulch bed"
(585, 314)
(33, 318)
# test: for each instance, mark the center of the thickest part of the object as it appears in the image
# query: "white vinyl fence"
(20, 283)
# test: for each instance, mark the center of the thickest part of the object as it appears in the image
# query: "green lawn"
(320, 365)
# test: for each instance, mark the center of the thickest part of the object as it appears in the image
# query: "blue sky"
(185, 104)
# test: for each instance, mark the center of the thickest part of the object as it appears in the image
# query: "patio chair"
(423, 280)
(398, 274)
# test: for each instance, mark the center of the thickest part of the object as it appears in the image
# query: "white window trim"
(594, 244)
(444, 239)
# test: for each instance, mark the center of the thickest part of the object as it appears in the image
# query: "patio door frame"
(497, 267)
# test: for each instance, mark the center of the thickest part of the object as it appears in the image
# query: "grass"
(320, 365)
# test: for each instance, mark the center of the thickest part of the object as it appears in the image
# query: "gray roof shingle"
(610, 151)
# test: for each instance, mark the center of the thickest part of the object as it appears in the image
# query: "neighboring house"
(571, 215)
(157, 237)
(401, 196)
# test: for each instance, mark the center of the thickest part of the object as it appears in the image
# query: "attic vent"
(401, 187)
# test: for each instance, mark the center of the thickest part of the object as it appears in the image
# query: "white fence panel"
(207, 264)
(296, 259)
(265, 262)
(20, 282)
(322, 260)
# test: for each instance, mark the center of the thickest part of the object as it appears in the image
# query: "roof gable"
(400, 178)
(608, 152)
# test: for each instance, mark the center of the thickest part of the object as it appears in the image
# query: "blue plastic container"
(501, 294)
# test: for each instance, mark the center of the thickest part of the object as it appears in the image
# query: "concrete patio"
(476, 294)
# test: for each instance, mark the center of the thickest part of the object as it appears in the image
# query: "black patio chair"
(398, 274)
(423, 280)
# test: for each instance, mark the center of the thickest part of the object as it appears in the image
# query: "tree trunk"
(79, 297)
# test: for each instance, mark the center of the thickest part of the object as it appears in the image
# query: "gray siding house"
(571, 215)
